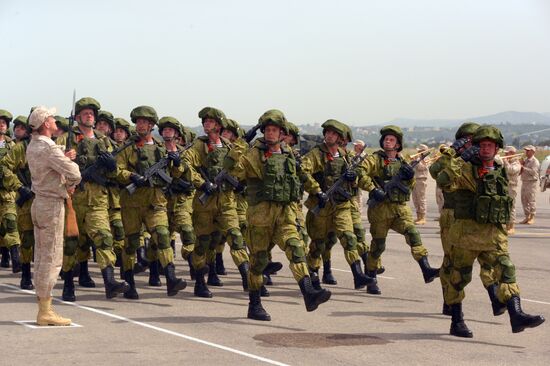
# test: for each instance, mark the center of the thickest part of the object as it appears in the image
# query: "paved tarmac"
(403, 326)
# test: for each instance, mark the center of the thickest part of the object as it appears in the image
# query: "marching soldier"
(482, 207)
(147, 205)
(512, 166)
(389, 210)
(321, 168)
(91, 203)
(9, 237)
(216, 216)
(529, 184)
(419, 190)
(273, 185)
(62, 127)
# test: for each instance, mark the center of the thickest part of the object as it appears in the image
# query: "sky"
(361, 62)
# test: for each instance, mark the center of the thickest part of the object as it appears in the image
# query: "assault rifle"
(22, 199)
(250, 134)
(92, 172)
(223, 176)
(157, 169)
(337, 186)
(396, 181)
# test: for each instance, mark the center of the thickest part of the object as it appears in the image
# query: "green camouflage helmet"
(170, 122)
(62, 123)
(335, 126)
(232, 126)
(122, 123)
(349, 134)
(188, 134)
(214, 113)
(146, 112)
(6, 116)
(273, 117)
(467, 128)
(293, 130)
(21, 121)
(106, 117)
(394, 131)
(488, 132)
(87, 102)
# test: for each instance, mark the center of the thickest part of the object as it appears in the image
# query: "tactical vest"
(449, 200)
(24, 174)
(88, 150)
(214, 162)
(7, 146)
(280, 182)
(147, 156)
(333, 170)
(388, 171)
(490, 204)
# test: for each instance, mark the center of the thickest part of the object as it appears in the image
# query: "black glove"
(25, 193)
(107, 161)
(459, 144)
(350, 175)
(174, 156)
(377, 194)
(323, 199)
(208, 187)
(87, 175)
(470, 153)
(138, 180)
(406, 172)
(240, 188)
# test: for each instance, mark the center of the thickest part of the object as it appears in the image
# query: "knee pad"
(69, 246)
(187, 235)
(134, 242)
(359, 232)
(9, 222)
(319, 247)
(508, 269)
(27, 239)
(464, 277)
(296, 251)
(412, 236)
(349, 241)
(117, 230)
(378, 246)
(259, 262)
(163, 237)
(104, 240)
(203, 241)
(235, 239)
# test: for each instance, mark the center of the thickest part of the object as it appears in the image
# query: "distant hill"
(512, 117)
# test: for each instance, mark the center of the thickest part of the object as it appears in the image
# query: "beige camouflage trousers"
(528, 196)
(419, 196)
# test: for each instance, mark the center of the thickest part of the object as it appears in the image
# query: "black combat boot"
(213, 279)
(201, 290)
(518, 319)
(15, 263)
(498, 307)
(191, 269)
(365, 257)
(5, 262)
(112, 287)
(26, 277)
(255, 308)
(173, 246)
(264, 292)
(243, 270)
(360, 280)
(314, 276)
(141, 262)
(76, 270)
(68, 287)
(118, 261)
(373, 288)
(328, 278)
(154, 277)
(220, 268)
(173, 284)
(84, 278)
(272, 268)
(458, 327)
(446, 309)
(312, 297)
(428, 272)
(131, 293)
(268, 280)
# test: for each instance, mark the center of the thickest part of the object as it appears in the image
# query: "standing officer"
(513, 169)
(529, 184)
(482, 207)
(269, 169)
(54, 176)
(9, 237)
(18, 177)
(147, 205)
(322, 166)
(389, 210)
(419, 190)
(217, 216)
(91, 203)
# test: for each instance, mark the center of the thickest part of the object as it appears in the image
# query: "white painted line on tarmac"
(32, 324)
(345, 270)
(535, 301)
(159, 329)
